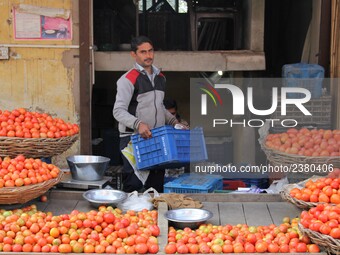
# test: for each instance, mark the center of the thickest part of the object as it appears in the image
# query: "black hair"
(170, 103)
(136, 41)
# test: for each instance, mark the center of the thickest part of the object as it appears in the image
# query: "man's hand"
(179, 125)
(144, 130)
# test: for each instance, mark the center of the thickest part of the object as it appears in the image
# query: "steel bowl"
(87, 167)
(98, 197)
(187, 217)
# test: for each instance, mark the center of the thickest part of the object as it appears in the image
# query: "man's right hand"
(144, 130)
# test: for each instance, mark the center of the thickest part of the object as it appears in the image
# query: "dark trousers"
(131, 181)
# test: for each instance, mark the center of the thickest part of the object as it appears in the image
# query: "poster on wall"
(38, 23)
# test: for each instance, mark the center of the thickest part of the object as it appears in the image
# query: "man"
(171, 106)
(139, 108)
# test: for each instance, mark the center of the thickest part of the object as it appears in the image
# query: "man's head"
(171, 106)
(142, 51)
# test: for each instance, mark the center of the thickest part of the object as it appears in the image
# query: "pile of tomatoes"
(25, 124)
(324, 190)
(240, 239)
(305, 142)
(324, 218)
(106, 230)
(21, 171)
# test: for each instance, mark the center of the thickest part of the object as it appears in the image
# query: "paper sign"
(34, 26)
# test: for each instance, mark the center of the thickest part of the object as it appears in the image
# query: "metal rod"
(137, 17)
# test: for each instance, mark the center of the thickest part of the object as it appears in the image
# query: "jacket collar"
(141, 69)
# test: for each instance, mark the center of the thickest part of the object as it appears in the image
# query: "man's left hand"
(180, 126)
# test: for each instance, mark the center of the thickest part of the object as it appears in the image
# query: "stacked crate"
(310, 77)
(301, 75)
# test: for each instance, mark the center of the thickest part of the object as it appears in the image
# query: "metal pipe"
(93, 68)
(137, 17)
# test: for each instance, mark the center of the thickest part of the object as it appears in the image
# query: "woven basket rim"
(4, 138)
(23, 194)
(35, 147)
(299, 156)
(329, 243)
(299, 203)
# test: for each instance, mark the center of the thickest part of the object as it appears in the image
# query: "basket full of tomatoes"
(34, 134)
(321, 225)
(303, 146)
(313, 191)
(23, 179)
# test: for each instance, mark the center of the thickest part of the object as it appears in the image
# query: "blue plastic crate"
(308, 76)
(169, 148)
(194, 183)
(168, 179)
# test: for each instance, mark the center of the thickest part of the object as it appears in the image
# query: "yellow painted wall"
(41, 79)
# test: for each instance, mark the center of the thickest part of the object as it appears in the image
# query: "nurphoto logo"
(238, 104)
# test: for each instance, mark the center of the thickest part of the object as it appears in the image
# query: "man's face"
(144, 55)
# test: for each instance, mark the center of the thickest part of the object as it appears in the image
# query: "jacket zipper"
(154, 102)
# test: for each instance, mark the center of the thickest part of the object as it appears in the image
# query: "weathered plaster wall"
(38, 78)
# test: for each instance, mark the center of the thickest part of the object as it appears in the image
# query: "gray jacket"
(139, 99)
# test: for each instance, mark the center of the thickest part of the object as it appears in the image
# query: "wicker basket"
(280, 158)
(294, 164)
(35, 147)
(23, 194)
(329, 243)
(285, 193)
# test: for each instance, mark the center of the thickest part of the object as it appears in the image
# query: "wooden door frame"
(85, 85)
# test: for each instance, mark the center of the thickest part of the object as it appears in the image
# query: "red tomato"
(284, 248)
(99, 248)
(170, 248)
(43, 198)
(313, 248)
(335, 233)
(65, 248)
(141, 248)
(155, 231)
(251, 238)
(238, 248)
(325, 229)
(261, 247)
(153, 248)
(227, 248)
(193, 248)
(315, 226)
(125, 222)
(273, 248)
(301, 247)
(249, 248)
(305, 239)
